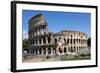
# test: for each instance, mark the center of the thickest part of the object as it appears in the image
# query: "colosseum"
(43, 42)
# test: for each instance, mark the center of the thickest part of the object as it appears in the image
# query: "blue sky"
(58, 21)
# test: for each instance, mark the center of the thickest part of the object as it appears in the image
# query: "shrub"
(82, 55)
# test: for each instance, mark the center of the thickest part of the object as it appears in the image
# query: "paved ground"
(42, 59)
(54, 58)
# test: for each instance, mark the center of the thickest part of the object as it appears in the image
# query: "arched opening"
(74, 41)
(49, 50)
(71, 36)
(60, 50)
(54, 50)
(44, 51)
(33, 52)
(81, 36)
(49, 39)
(64, 40)
(40, 51)
(59, 39)
(79, 40)
(44, 40)
(72, 50)
(40, 40)
(36, 51)
(70, 41)
(65, 50)
(55, 40)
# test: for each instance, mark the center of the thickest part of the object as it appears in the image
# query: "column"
(57, 50)
(46, 40)
(66, 50)
(38, 41)
(38, 51)
(51, 51)
(42, 41)
(46, 51)
(34, 51)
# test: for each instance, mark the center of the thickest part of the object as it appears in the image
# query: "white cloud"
(25, 34)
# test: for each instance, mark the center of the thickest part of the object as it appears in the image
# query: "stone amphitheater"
(43, 42)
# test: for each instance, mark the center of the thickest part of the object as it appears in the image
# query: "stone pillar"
(38, 41)
(34, 51)
(51, 50)
(69, 41)
(38, 51)
(42, 41)
(57, 50)
(46, 40)
(66, 50)
(46, 51)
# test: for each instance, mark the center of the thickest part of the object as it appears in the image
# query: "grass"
(71, 57)
(60, 57)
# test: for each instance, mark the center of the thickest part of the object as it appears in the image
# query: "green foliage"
(25, 44)
(89, 41)
(83, 55)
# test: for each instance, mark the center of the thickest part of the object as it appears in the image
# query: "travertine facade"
(43, 42)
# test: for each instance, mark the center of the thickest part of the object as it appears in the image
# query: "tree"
(25, 44)
(89, 42)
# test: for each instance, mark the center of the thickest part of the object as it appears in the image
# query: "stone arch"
(59, 39)
(71, 41)
(74, 40)
(49, 50)
(49, 39)
(74, 48)
(36, 51)
(44, 40)
(65, 50)
(64, 39)
(55, 40)
(54, 50)
(71, 36)
(40, 40)
(60, 50)
(77, 40)
(71, 49)
(68, 40)
(40, 51)
(44, 51)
